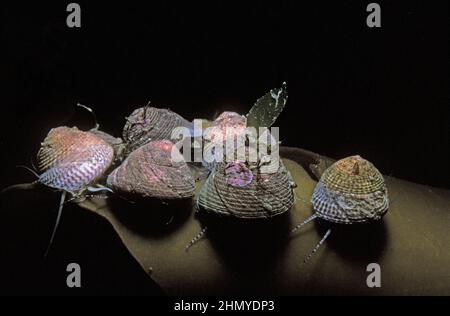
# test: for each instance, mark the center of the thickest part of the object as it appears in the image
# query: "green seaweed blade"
(267, 108)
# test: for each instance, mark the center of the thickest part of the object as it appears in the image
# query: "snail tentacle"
(200, 235)
(98, 188)
(29, 169)
(58, 218)
(306, 221)
(96, 126)
(318, 246)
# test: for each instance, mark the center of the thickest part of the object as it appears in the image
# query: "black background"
(381, 93)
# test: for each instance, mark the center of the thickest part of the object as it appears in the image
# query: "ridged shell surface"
(71, 159)
(115, 142)
(235, 190)
(152, 171)
(148, 124)
(351, 191)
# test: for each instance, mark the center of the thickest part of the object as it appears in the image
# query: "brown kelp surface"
(241, 257)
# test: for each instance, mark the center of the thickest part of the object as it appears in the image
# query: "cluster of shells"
(351, 190)
(144, 163)
(78, 161)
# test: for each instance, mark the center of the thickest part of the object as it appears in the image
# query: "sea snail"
(155, 170)
(239, 189)
(350, 191)
(73, 161)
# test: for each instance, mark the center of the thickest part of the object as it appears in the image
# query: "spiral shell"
(236, 190)
(351, 191)
(155, 169)
(148, 123)
(71, 159)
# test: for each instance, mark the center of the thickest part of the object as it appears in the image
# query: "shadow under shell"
(360, 242)
(250, 247)
(151, 216)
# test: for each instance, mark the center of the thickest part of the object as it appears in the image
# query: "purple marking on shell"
(237, 174)
(231, 192)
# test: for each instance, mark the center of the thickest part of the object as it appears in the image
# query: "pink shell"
(151, 171)
(72, 159)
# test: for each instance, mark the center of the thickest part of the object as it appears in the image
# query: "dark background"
(381, 93)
